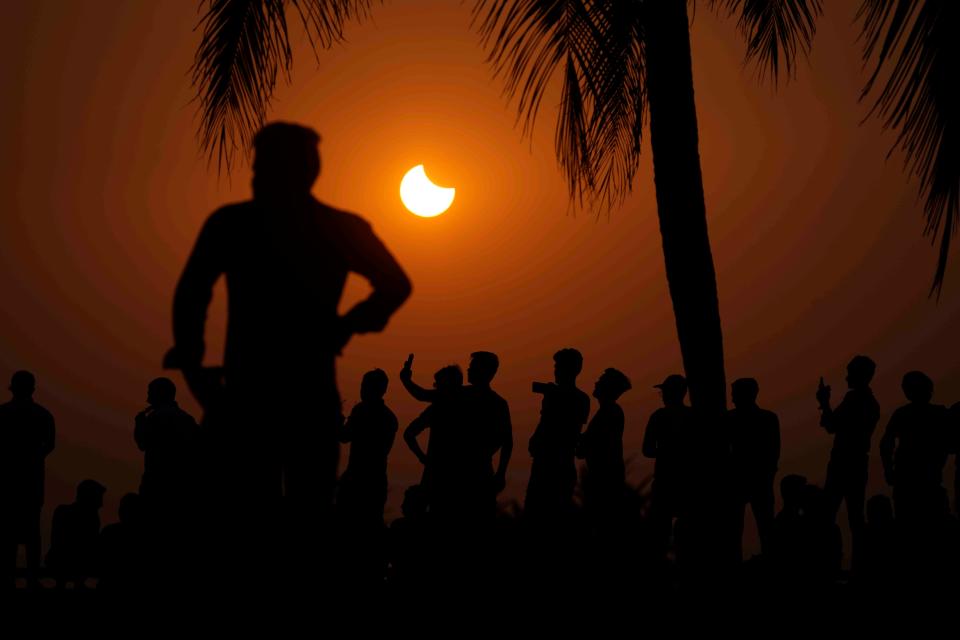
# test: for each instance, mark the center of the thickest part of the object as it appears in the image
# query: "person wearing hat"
(74, 536)
(754, 437)
(667, 440)
(27, 435)
(914, 450)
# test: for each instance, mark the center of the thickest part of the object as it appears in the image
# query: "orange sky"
(817, 239)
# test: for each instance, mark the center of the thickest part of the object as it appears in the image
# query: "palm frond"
(324, 20)
(920, 51)
(596, 44)
(776, 31)
(244, 46)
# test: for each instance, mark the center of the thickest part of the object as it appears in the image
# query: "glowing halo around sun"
(422, 197)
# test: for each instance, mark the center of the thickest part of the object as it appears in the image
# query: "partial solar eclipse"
(422, 197)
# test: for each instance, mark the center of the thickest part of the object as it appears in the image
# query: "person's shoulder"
(346, 220)
(228, 215)
(769, 416)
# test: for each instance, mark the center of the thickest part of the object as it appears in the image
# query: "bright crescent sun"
(422, 197)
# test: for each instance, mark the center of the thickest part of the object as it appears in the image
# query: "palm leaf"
(916, 44)
(597, 46)
(245, 43)
(776, 31)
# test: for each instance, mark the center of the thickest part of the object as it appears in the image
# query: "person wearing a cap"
(667, 440)
(754, 437)
(27, 435)
(74, 536)
(914, 450)
(852, 424)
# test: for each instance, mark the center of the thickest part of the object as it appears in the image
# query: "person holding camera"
(563, 412)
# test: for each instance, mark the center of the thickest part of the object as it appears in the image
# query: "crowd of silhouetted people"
(685, 527)
(248, 498)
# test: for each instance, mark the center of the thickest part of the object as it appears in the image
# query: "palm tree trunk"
(680, 202)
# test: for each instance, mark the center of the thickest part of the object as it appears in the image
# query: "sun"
(423, 198)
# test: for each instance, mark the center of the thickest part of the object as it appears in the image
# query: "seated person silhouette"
(285, 256)
(370, 430)
(601, 446)
(754, 436)
(74, 536)
(122, 549)
(563, 412)
(484, 430)
(440, 421)
(27, 435)
(669, 440)
(914, 450)
(852, 424)
(168, 436)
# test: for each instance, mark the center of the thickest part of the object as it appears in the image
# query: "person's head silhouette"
(286, 161)
(447, 378)
(90, 494)
(744, 392)
(567, 364)
(161, 391)
(22, 385)
(374, 385)
(673, 389)
(860, 372)
(917, 387)
(612, 384)
(483, 367)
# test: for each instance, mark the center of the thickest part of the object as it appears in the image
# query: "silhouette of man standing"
(484, 430)
(754, 435)
(370, 430)
(27, 436)
(668, 440)
(851, 423)
(563, 412)
(441, 460)
(601, 446)
(286, 257)
(914, 450)
(167, 435)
